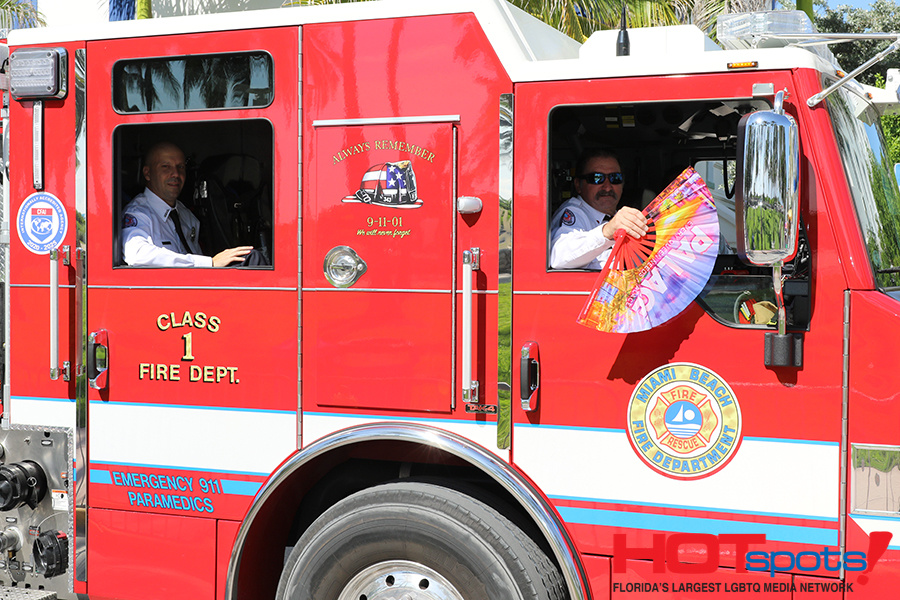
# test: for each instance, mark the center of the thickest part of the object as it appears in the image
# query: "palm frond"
(19, 13)
(580, 18)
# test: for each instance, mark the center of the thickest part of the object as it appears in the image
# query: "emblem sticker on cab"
(684, 421)
(42, 223)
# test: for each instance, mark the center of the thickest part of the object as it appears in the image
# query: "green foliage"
(20, 10)
(891, 126)
(880, 460)
(581, 18)
(884, 16)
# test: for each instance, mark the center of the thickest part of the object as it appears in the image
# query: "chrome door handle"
(98, 360)
(530, 376)
(471, 263)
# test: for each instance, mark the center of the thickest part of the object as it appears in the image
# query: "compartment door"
(382, 205)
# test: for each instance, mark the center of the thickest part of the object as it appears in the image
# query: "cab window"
(201, 82)
(654, 142)
(228, 180)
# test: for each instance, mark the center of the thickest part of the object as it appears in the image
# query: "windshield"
(872, 183)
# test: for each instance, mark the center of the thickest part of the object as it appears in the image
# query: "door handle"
(98, 359)
(471, 263)
(530, 376)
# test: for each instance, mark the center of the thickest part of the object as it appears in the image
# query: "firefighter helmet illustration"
(390, 184)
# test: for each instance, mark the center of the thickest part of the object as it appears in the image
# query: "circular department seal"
(41, 222)
(684, 421)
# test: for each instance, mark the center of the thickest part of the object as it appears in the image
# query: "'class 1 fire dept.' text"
(193, 373)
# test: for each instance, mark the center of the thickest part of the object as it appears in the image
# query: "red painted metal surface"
(874, 389)
(386, 342)
(29, 366)
(138, 556)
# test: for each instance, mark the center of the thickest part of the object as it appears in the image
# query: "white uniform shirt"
(149, 237)
(576, 237)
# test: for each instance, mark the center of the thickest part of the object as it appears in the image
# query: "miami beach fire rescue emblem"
(684, 421)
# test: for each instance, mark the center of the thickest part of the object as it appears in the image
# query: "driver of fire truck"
(157, 229)
(583, 228)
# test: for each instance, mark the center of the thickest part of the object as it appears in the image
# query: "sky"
(854, 3)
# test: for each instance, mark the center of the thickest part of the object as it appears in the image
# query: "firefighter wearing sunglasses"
(583, 229)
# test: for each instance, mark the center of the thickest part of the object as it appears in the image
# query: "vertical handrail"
(54, 314)
(471, 263)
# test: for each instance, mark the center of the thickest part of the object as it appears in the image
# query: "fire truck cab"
(395, 399)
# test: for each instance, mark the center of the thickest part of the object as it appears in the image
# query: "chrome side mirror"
(767, 207)
(767, 198)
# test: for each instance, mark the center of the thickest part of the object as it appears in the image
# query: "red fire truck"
(398, 401)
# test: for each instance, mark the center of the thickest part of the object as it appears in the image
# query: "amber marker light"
(750, 64)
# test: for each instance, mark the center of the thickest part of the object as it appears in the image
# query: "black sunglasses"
(598, 178)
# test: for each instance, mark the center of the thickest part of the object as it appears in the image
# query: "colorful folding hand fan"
(647, 281)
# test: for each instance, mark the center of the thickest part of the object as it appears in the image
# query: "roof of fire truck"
(529, 49)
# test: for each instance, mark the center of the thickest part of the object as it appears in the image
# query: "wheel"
(416, 541)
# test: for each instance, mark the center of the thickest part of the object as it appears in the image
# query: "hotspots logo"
(664, 554)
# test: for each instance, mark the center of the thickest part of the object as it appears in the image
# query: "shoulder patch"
(128, 221)
(568, 218)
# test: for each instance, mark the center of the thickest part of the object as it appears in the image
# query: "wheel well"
(320, 483)
(357, 474)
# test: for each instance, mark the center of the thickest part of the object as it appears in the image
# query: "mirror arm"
(816, 98)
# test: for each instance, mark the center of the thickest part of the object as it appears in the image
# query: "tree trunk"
(143, 10)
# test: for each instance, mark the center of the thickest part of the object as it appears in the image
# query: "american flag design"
(388, 184)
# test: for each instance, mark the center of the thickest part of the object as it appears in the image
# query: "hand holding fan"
(647, 281)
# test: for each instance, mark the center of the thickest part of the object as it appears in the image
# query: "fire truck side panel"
(226, 531)
(379, 101)
(598, 573)
(202, 383)
(873, 452)
(380, 98)
(126, 555)
(242, 407)
(46, 401)
(784, 476)
(29, 366)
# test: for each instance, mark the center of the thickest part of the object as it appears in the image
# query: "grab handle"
(55, 256)
(471, 263)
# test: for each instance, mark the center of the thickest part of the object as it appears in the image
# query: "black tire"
(419, 539)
